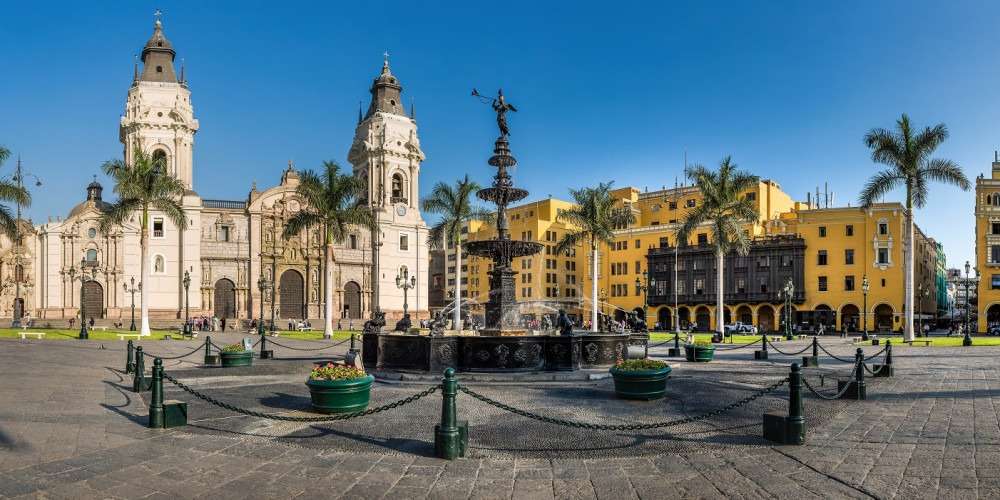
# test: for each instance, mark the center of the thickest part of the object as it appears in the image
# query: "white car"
(740, 328)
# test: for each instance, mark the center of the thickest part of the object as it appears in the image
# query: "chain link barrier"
(834, 356)
(658, 344)
(804, 349)
(820, 395)
(732, 347)
(876, 372)
(621, 427)
(877, 354)
(200, 348)
(308, 349)
(285, 418)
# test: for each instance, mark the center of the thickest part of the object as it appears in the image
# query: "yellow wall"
(987, 212)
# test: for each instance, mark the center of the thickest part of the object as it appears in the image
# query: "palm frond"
(117, 213)
(878, 186)
(172, 210)
(947, 172)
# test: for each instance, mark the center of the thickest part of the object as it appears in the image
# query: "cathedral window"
(404, 242)
(158, 227)
(397, 189)
(160, 159)
(92, 257)
(224, 233)
(159, 69)
(353, 242)
(92, 233)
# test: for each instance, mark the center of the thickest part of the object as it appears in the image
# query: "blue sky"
(605, 91)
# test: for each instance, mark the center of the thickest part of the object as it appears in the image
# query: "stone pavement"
(70, 428)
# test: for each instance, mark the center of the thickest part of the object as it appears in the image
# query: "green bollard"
(762, 353)
(156, 401)
(210, 359)
(138, 379)
(450, 436)
(859, 378)
(128, 357)
(886, 369)
(791, 428)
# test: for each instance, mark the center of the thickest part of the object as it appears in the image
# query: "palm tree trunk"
(908, 305)
(456, 317)
(593, 286)
(144, 284)
(720, 316)
(328, 292)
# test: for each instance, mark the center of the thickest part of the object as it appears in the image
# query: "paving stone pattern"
(71, 428)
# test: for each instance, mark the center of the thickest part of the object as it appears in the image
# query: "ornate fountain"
(504, 345)
(502, 314)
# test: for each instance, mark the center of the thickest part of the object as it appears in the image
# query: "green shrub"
(234, 348)
(331, 371)
(640, 364)
(702, 343)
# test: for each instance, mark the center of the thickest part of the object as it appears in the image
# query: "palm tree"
(454, 205)
(907, 152)
(594, 220)
(335, 203)
(725, 208)
(143, 186)
(11, 192)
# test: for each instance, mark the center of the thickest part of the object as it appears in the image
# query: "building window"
(883, 228)
(159, 69)
(883, 256)
(638, 244)
(223, 233)
(751, 196)
(672, 205)
(397, 189)
(995, 282)
(821, 258)
(158, 227)
(352, 242)
(849, 230)
(404, 242)
(92, 257)
(849, 256)
(702, 239)
(92, 233)
(849, 283)
(763, 284)
(822, 231)
(691, 203)
(699, 286)
(995, 254)
(822, 283)
(741, 285)
(680, 288)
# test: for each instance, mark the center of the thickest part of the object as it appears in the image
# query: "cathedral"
(229, 245)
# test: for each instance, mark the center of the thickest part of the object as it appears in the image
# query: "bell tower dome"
(159, 117)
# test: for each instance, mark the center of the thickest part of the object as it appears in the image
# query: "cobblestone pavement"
(70, 427)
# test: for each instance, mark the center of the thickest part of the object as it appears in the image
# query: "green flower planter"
(699, 353)
(640, 384)
(231, 359)
(340, 396)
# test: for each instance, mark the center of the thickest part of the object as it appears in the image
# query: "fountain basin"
(511, 353)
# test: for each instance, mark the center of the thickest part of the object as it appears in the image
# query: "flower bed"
(235, 355)
(338, 388)
(700, 351)
(640, 379)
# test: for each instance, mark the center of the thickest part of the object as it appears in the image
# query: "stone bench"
(38, 335)
(926, 342)
(121, 336)
(101, 328)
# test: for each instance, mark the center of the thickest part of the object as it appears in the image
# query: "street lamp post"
(131, 290)
(864, 313)
(405, 285)
(18, 248)
(788, 291)
(263, 285)
(967, 339)
(187, 317)
(642, 286)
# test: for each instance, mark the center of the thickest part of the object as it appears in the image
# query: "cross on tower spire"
(157, 14)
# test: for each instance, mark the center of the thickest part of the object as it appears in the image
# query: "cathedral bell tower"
(386, 154)
(159, 118)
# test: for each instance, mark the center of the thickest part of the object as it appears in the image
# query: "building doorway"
(352, 301)
(292, 295)
(225, 299)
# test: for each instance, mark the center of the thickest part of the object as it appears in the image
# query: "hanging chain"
(732, 347)
(621, 427)
(824, 396)
(308, 349)
(196, 349)
(330, 418)
(804, 349)
(838, 358)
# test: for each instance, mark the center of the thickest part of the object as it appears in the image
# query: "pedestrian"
(91, 321)
(222, 322)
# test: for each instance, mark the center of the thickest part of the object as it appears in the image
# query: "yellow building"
(988, 247)
(828, 252)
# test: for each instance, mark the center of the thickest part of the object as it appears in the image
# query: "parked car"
(739, 328)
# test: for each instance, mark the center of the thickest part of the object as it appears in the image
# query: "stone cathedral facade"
(67, 264)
